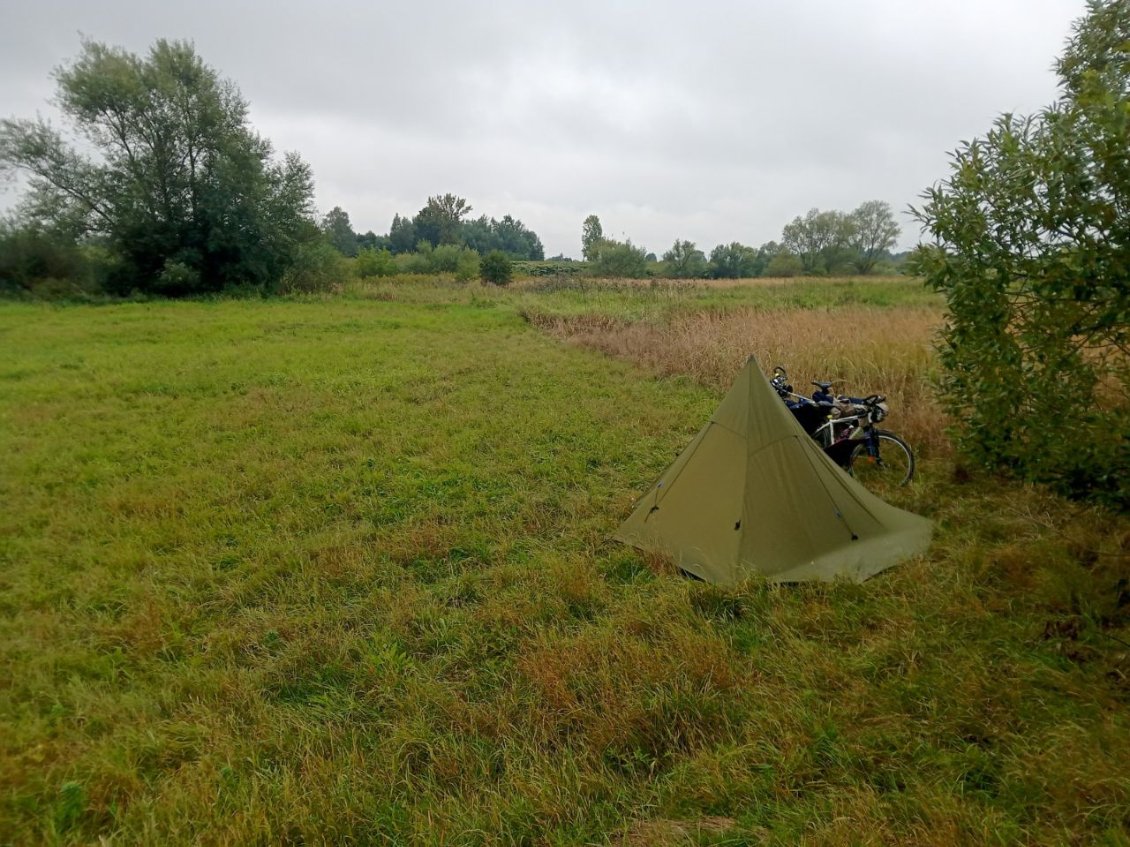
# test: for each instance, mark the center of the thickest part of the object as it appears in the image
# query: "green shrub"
(414, 263)
(370, 263)
(620, 259)
(468, 266)
(1031, 252)
(496, 267)
(445, 258)
(316, 266)
(40, 263)
(784, 264)
(460, 261)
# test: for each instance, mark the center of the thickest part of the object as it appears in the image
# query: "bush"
(45, 264)
(370, 263)
(460, 261)
(445, 258)
(468, 266)
(1033, 256)
(620, 259)
(784, 264)
(316, 266)
(496, 267)
(414, 263)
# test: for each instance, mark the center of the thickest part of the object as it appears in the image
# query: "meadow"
(337, 569)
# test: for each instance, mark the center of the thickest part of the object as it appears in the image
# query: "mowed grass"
(339, 570)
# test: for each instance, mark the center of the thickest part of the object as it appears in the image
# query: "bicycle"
(845, 427)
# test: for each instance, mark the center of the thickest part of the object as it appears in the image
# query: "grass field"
(338, 571)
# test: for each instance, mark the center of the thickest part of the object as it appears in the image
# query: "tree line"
(440, 238)
(819, 243)
(442, 221)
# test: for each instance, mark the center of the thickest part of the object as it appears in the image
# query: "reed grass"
(863, 349)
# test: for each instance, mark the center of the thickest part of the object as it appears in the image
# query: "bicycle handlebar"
(874, 405)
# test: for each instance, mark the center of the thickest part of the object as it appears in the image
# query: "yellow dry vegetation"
(864, 349)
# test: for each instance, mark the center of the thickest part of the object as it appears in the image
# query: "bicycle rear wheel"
(888, 465)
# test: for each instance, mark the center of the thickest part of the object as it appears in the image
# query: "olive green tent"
(754, 494)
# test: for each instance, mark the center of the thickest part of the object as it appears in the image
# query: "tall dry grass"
(865, 350)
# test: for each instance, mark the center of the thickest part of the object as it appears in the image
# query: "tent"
(754, 494)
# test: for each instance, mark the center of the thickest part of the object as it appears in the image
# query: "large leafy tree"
(402, 235)
(1031, 248)
(514, 238)
(766, 253)
(871, 230)
(181, 190)
(684, 261)
(612, 259)
(732, 261)
(592, 234)
(339, 231)
(478, 234)
(818, 239)
(441, 219)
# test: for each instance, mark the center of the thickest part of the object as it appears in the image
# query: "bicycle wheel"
(891, 466)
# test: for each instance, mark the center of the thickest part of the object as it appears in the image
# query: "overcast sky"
(714, 121)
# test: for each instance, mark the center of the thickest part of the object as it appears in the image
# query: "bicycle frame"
(826, 432)
(833, 430)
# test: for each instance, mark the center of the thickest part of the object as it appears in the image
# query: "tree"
(732, 261)
(765, 254)
(514, 238)
(496, 267)
(186, 197)
(817, 240)
(509, 235)
(1031, 248)
(440, 221)
(871, 232)
(592, 234)
(371, 241)
(402, 236)
(478, 234)
(685, 261)
(784, 264)
(619, 259)
(340, 232)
